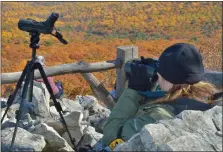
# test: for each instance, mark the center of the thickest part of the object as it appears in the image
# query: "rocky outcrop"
(188, 131)
(24, 141)
(41, 124)
(54, 141)
(41, 128)
(39, 107)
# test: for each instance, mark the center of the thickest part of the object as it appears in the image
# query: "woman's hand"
(139, 79)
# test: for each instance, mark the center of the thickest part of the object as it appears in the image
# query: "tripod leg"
(56, 104)
(12, 96)
(31, 85)
(21, 108)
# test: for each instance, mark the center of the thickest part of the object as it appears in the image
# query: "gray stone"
(219, 133)
(40, 100)
(184, 143)
(24, 140)
(133, 144)
(151, 136)
(5, 118)
(216, 114)
(56, 125)
(53, 112)
(73, 121)
(71, 105)
(90, 136)
(188, 131)
(12, 110)
(95, 113)
(86, 101)
(54, 141)
(9, 123)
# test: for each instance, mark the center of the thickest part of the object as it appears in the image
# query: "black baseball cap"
(181, 63)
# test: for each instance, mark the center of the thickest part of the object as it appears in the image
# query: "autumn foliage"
(94, 30)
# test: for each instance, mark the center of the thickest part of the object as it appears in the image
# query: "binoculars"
(149, 63)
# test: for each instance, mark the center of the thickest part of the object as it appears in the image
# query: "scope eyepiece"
(52, 19)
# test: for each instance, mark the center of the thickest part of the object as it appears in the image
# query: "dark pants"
(60, 87)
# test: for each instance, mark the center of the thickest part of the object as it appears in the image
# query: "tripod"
(28, 76)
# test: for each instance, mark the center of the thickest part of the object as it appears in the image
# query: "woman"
(180, 74)
(56, 87)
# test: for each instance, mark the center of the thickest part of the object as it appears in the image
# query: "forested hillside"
(95, 29)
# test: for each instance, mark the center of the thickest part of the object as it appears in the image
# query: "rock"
(12, 110)
(9, 123)
(40, 100)
(24, 140)
(54, 141)
(151, 136)
(5, 118)
(216, 114)
(56, 125)
(53, 112)
(95, 113)
(71, 105)
(133, 144)
(86, 101)
(86, 115)
(73, 121)
(45, 92)
(98, 119)
(190, 131)
(75, 133)
(27, 123)
(219, 133)
(90, 136)
(185, 143)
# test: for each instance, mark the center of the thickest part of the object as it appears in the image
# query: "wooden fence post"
(99, 90)
(124, 54)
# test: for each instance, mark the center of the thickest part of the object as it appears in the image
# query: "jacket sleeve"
(125, 109)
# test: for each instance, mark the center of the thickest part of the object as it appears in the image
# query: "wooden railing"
(124, 54)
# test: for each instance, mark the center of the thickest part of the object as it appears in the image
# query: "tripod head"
(46, 27)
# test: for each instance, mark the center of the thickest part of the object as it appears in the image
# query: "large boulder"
(67, 105)
(90, 136)
(188, 131)
(73, 121)
(12, 110)
(71, 105)
(54, 141)
(94, 113)
(24, 140)
(40, 100)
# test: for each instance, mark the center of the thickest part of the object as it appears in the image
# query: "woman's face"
(164, 84)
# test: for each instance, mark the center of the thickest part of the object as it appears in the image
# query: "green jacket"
(128, 116)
